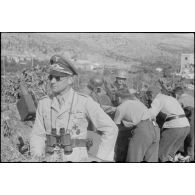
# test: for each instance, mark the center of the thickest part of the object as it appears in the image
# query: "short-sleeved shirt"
(132, 111)
(171, 107)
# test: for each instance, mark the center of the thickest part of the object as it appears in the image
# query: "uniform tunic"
(50, 115)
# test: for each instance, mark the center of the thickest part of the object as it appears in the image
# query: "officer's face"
(59, 84)
(120, 81)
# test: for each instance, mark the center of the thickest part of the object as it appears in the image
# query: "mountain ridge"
(106, 48)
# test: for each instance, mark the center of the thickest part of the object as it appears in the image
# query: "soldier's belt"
(175, 117)
(78, 143)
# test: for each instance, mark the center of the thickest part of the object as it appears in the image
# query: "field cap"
(122, 74)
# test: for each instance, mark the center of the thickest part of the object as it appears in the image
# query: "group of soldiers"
(128, 128)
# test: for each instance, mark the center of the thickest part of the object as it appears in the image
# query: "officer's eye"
(56, 77)
(50, 77)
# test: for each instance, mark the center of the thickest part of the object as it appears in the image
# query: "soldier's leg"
(171, 140)
(182, 133)
(192, 133)
(139, 143)
(188, 144)
(122, 143)
(181, 149)
(152, 152)
(167, 140)
(189, 141)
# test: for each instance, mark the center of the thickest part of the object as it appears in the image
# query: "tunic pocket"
(79, 122)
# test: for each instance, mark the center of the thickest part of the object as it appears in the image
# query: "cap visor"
(57, 73)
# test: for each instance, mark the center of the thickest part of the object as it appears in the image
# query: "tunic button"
(60, 117)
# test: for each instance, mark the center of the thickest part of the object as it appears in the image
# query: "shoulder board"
(82, 94)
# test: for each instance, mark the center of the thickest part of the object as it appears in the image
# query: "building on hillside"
(159, 69)
(88, 65)
(83, 64)
(16, 59)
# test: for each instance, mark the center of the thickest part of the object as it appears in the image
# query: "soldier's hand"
(95, 159)
(109, 109)
(92, 158)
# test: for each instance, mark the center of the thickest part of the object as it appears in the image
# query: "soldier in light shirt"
(176, 126)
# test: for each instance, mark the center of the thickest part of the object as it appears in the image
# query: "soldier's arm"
(118, 119)
(38, 135)
(103, 123)
(156, 107)
(108, 108)
(118, 116)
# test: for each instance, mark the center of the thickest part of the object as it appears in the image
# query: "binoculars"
(63, 141)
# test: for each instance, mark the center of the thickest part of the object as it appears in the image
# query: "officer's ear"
(70, 80)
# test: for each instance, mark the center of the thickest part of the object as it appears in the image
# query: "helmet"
(96, 82)
(122, 74)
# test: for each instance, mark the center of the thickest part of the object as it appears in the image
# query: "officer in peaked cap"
(61, 66)
(69, 112)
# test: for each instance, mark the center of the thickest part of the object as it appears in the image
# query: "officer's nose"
(53, 80)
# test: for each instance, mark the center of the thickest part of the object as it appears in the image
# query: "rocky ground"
(12, 131)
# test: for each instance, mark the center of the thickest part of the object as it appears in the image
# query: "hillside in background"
(112, 49)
